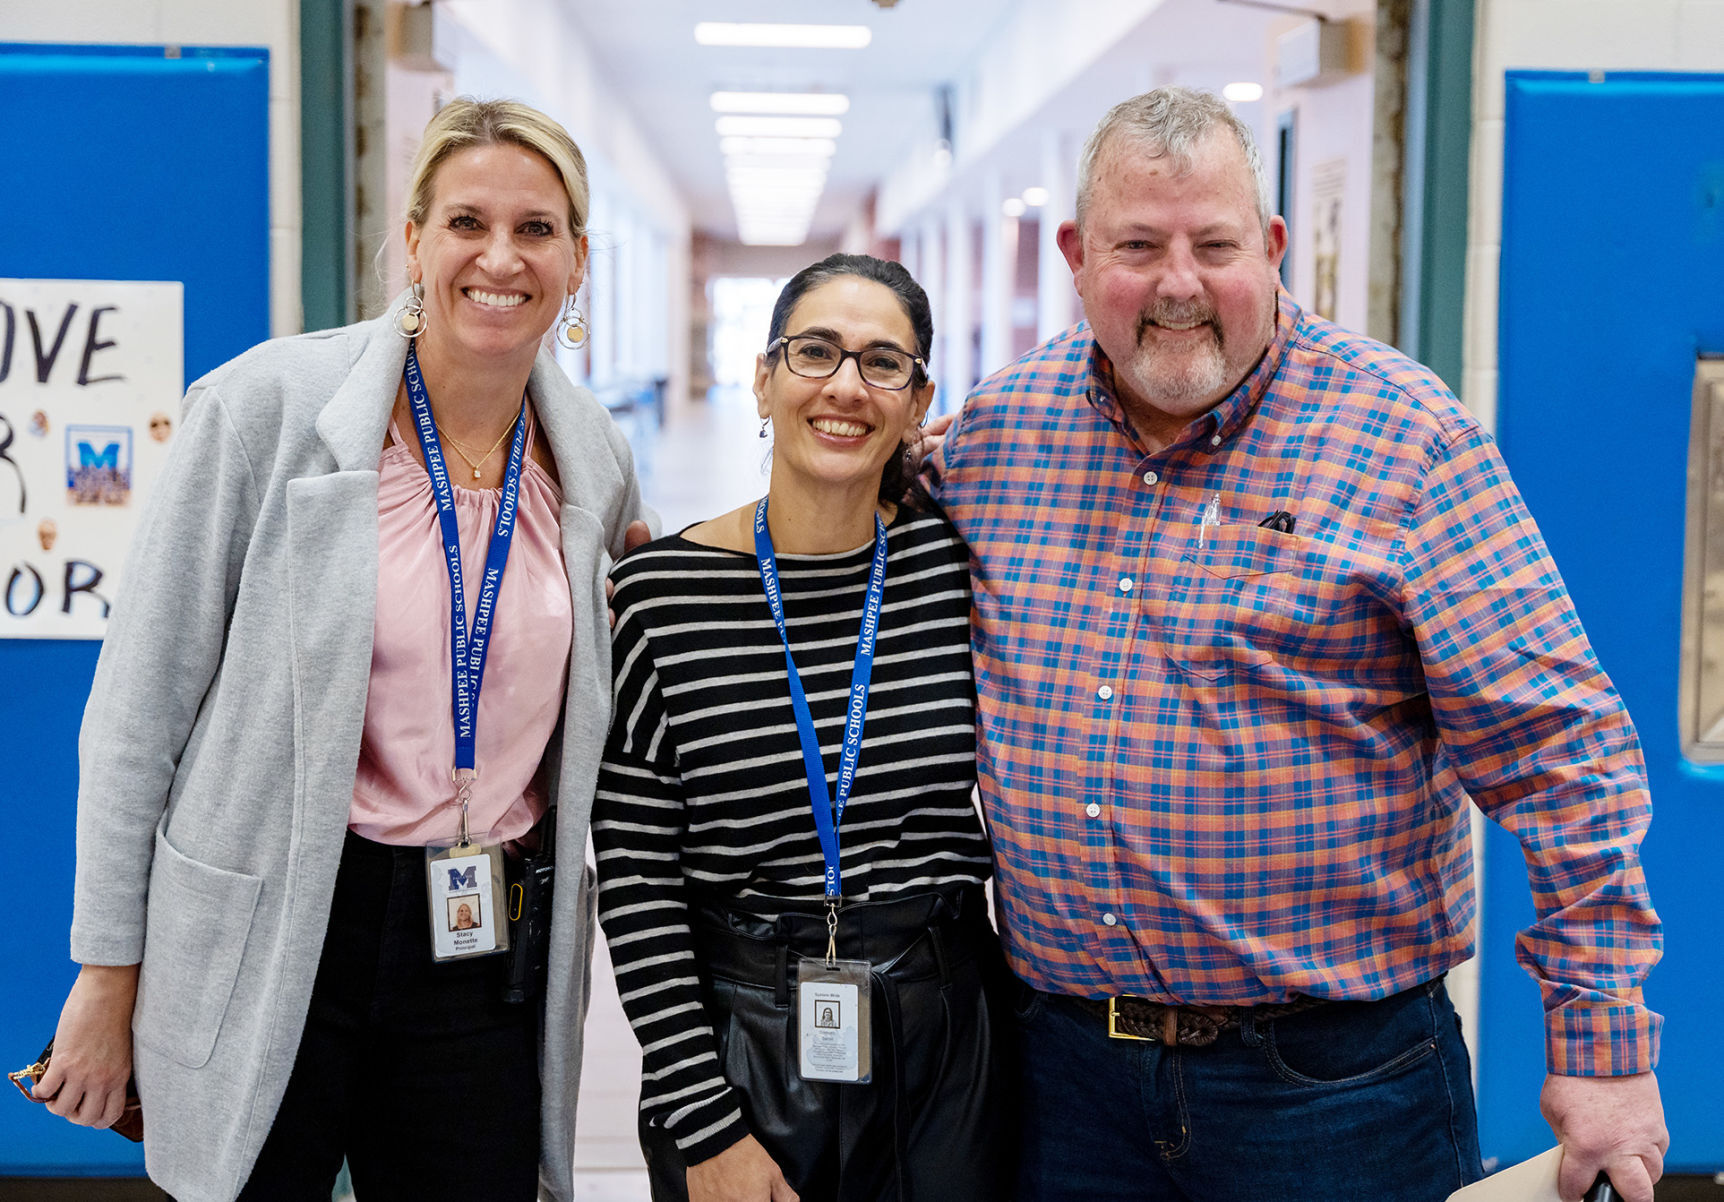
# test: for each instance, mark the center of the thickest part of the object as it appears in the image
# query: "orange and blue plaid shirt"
(1224, 763)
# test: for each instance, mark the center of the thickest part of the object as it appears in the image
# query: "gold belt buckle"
(1113, 1027)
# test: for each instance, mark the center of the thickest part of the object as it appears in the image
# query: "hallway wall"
(637, 296)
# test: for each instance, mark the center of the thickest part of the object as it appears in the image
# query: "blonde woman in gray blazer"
(220, 746)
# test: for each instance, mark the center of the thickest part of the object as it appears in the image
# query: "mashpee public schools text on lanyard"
(465, 879)
(834, 1006)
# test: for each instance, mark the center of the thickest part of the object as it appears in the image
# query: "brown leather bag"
(131, 1121)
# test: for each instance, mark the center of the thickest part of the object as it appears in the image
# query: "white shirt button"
(1093, 810)
(1105, 692)
(1125, 584)
(1215, 440)
(1110, 920)
(1151, 478)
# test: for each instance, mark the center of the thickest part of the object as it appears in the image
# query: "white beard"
(1175, 383)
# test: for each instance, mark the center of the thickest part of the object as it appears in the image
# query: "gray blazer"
(219, 746)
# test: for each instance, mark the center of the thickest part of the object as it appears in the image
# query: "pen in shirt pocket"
(1281, 520)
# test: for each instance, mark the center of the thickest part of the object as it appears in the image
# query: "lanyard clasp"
(463, 778)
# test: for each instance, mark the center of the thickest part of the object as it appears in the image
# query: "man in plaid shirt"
(1257, 611)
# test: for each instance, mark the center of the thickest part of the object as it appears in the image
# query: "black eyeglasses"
(816, 358)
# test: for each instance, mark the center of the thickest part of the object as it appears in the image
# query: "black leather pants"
(934, 1123)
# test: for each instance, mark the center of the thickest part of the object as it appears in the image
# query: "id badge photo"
(834, 1020)
(466, 891)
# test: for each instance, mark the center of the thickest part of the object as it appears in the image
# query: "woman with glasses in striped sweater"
(791, 866)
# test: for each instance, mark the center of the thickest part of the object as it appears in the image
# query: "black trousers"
(418, 1073)
(935, 1123)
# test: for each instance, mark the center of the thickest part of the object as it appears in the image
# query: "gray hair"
(1171, 121)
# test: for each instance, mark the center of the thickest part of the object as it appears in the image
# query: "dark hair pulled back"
(898, 475)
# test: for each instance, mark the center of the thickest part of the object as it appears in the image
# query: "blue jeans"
(1348, 1100)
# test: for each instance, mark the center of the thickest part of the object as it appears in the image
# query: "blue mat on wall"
(121, 163)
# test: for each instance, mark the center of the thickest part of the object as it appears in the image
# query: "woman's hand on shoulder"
(638, 535)
(92, 1063)
(743, 1172)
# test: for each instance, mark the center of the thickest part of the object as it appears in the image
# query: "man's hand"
(1609, 1124)
(635, 537)
(934, 433)
(86, 1079)
(743, 1172)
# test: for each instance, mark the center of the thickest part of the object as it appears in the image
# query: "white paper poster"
(90, 385)
(1328, 186)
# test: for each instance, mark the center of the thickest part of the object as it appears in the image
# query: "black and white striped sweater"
(703, 785)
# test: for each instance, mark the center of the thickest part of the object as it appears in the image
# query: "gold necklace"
(466, 454)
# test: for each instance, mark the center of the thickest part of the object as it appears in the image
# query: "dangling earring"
(410, 317)
(764, 423)
(572, 326)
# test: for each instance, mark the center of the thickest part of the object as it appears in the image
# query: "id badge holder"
(467, 890)
(834, 1020)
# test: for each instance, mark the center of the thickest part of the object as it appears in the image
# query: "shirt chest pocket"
(1231, 601)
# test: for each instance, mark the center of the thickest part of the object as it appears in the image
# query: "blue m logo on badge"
(464, 880)
(108, 457)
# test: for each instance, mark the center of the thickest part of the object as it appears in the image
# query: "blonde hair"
(465, 122)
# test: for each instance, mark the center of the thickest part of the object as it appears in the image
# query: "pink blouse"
(403, 793)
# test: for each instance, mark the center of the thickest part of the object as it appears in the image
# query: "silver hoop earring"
(572, 326)
(410, 317)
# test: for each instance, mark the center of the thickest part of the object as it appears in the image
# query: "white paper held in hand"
(1529, 1181)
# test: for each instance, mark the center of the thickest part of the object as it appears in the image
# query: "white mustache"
(1182, 315)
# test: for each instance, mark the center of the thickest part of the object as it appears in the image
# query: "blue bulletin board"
(1612, 253)
(121, 163)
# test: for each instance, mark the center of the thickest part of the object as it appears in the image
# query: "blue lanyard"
(467, 650)
(828, 810)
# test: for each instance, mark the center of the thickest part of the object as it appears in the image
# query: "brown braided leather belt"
(1139, 1018)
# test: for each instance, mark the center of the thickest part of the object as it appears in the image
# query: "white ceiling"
(665, 78)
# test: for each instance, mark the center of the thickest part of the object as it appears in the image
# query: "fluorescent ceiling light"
(760, 205)
(1012, 207)
(777, 194)
(805, 37)
(1035, 198)
(776, 162)
(779, 127)
(776, 201)
(786, 146)
(774, 188)
(765, 175)
(772, 233)
(753, 198)
(777, 167)
(777, 206)
(804, 104)
(1243, 92)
